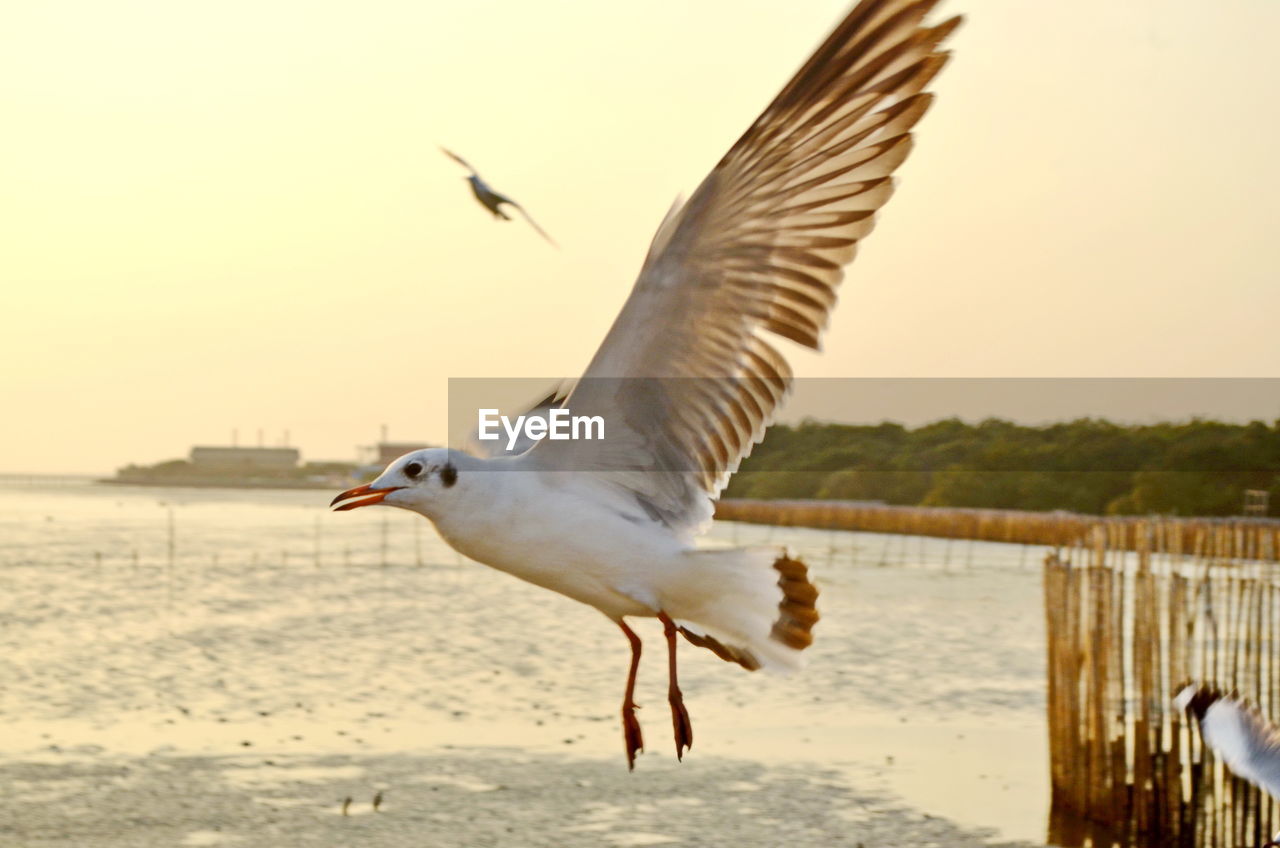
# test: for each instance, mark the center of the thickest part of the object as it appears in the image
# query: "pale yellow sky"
(234, 214)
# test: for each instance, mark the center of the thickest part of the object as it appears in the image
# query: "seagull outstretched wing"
(758, 250)
(463, 162)
(532, 222)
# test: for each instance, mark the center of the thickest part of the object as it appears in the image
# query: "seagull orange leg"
(630, 726)
(679, 715)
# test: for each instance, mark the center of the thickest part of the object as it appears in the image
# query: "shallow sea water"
(281, 657)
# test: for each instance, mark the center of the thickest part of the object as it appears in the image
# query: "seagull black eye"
(413, 469)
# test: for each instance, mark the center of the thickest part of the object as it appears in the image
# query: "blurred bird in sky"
(493, 200)
(690, 375)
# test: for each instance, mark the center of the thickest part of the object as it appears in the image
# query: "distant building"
(225, 458)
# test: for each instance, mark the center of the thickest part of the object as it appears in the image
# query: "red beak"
(366, 495)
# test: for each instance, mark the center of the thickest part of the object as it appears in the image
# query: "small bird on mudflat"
(493, 200)
(689, 377)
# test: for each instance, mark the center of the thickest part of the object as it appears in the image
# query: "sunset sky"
(235, 215)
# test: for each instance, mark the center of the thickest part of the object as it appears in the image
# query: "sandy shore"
(468, 797)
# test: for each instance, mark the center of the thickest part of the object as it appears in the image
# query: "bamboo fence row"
(1253, 538)
(1135, 608)
(1133, 613)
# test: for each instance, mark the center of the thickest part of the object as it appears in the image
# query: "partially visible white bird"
(493, 200)
(1238, 733)
(689, 377)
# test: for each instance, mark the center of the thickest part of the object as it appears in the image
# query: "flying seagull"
(493, 200)
(689, 377)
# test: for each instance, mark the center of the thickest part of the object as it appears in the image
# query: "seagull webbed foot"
(680, 722)
(631, 734)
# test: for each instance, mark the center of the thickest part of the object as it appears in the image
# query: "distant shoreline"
(210, 483)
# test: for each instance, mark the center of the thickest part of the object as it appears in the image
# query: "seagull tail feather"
(751, 606)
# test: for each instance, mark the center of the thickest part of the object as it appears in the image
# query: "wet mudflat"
(285, 659)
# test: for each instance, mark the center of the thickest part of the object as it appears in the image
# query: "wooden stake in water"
(172, 543)
(384, 541)
(172, 556)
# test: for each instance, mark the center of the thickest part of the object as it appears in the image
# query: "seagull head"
(1195, 698)
(414, 481)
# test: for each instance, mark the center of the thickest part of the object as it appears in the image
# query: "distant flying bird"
(493, 200)
(1237, 733)
(688, 378)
